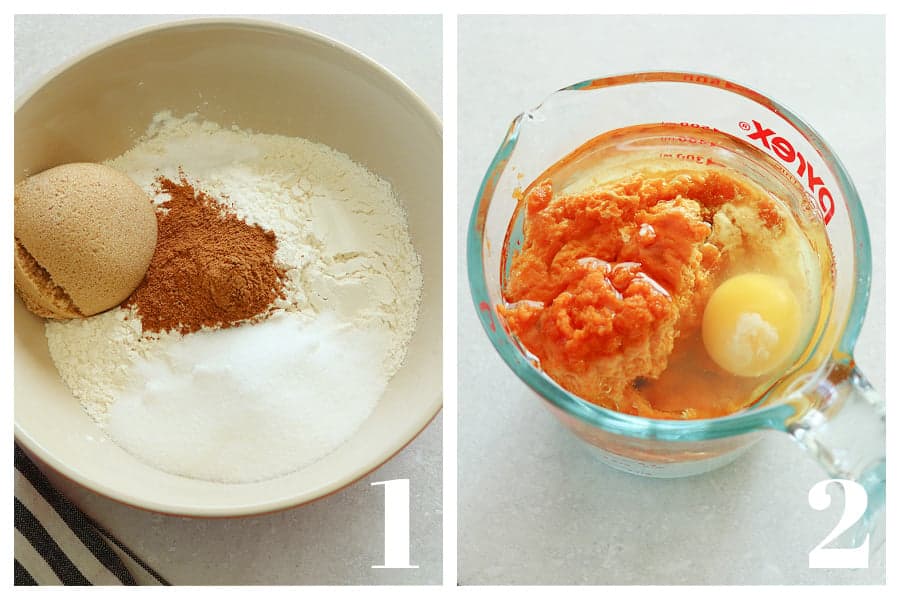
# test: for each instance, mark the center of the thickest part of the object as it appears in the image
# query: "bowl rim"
(256, 510)
(239, 23)
(47, 460)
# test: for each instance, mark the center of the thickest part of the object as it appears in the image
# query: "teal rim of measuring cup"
(767, 417)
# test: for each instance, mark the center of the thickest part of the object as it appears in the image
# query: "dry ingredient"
(210, 269)
(247, 403)
(85, 234)
(351, 282)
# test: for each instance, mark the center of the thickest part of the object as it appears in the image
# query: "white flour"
(350, 266)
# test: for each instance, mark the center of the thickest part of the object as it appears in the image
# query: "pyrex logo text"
(784, 150)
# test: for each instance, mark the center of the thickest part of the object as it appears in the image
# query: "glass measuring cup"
(822, 401)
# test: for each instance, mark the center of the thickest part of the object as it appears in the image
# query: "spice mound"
(609, 289)
(210, 268)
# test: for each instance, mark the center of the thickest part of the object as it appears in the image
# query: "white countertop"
(534, 506)
(332, 541)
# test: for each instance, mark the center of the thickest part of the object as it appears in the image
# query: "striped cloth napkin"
(57, 544)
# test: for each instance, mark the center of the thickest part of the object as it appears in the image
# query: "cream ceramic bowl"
(270, 79)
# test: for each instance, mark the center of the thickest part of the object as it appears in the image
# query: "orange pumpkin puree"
(609, 287)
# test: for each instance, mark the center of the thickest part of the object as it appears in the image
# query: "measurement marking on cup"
(687, 140)
(697, 126)
(694, 158)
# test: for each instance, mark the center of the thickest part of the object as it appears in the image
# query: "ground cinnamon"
(210, 268)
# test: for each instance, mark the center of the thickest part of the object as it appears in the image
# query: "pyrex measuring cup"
(823, 401)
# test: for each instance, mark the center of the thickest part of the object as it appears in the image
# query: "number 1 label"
(396, 525)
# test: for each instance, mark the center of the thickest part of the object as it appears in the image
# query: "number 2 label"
(396, 525)
(855, 502)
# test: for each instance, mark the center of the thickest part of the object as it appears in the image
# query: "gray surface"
(534, 507)
(334, 540)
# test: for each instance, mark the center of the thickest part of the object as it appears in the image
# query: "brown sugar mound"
(37, 290)
(84, 236)
(210, 268)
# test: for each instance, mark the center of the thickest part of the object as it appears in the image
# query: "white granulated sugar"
(249, 403)
(346, 251)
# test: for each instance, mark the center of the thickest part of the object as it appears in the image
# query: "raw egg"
(751, 324)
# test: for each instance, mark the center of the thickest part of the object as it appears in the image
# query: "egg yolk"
(751, 324)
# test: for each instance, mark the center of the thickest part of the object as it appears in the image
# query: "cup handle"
(843, 428)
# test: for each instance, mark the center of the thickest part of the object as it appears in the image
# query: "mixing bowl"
(270, 79)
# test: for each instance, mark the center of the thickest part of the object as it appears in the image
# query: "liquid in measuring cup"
(665, 272)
